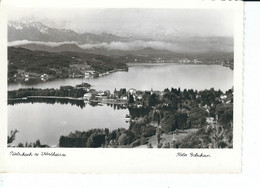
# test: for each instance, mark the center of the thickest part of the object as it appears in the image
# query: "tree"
(131, 99)
(122, 140)
(136, 128)
(106, 131)
(171, 99)
(197, 117)
(96, 140)
(224, 113)
(168, 122)
(20, 145)
(179, 91)
(11, 138)
(38, 143)
(153, 100)
(181, 118)
(149, 145)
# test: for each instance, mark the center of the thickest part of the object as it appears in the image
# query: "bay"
(155, 76)
(47, 122)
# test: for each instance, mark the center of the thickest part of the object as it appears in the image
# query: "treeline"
(36, 144)
(105, 138)
(104, 66)
(63, 91)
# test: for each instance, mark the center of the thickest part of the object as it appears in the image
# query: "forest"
(57, 65)
(164, 114)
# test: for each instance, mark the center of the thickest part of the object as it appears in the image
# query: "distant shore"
(160, 64)
(103, 101)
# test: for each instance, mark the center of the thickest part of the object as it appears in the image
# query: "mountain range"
(37, 36)
(101, 51)
(36, 31)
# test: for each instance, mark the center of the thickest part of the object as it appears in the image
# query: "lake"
(156, 76)
(48, 122)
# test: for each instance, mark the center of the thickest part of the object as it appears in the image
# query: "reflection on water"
(48, 119)
(79, 103)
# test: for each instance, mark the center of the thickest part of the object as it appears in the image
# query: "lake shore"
(146, 77)
(176, 63)
(102, 101)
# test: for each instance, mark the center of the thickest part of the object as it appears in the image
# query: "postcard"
(120, 87)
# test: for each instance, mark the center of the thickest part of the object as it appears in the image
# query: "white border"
(127, 160)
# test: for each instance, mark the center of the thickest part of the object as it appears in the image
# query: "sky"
(143, 23)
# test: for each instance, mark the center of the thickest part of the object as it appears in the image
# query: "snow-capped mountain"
(36, 31)
(25, 25)
(39, 36)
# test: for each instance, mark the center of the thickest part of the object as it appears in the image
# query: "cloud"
(124, 46)
(52, 44)
(134, 45)
(198, 45)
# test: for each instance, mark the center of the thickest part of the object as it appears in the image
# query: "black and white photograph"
(122, 88)
(120, 78)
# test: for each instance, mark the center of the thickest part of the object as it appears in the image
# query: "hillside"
(101, 51)
(57, 65)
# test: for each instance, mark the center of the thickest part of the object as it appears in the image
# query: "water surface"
(156, 76)
(48, 122)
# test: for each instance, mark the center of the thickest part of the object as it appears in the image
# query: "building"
(195, 61)
(87, 96)
(124, 97)
(184, 60)
(44, 76)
